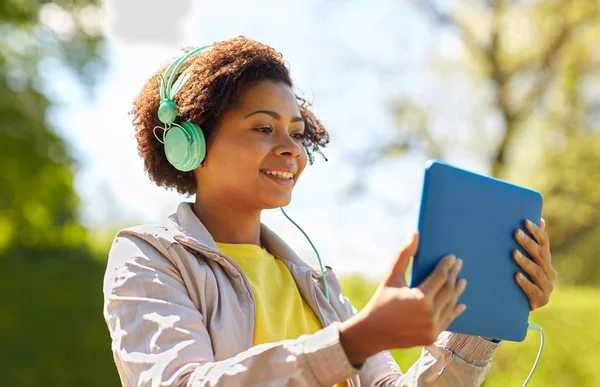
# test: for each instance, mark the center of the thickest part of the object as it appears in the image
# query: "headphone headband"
(184, 143)
(166, 90)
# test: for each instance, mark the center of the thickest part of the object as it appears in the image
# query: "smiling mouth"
(279, 174)
(280, 178)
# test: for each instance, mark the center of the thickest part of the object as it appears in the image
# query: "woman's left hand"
(539, 268)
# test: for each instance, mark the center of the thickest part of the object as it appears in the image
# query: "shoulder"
(160, 235)
(150, 253)
(142, 247)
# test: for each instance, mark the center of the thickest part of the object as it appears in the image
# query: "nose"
(288, 146)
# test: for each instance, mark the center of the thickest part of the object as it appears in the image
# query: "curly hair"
(217, 79)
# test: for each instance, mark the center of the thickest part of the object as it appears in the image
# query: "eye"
(264, 129)
(298, 136)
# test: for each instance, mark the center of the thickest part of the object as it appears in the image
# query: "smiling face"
(256, 155)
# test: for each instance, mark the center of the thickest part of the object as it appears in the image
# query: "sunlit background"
(504, 88)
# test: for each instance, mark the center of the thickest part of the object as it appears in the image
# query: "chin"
(276, 202)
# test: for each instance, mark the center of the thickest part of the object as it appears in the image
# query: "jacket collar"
(193, 232)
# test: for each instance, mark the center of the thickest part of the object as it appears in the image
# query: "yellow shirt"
(281, 312)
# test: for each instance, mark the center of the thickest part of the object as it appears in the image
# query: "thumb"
(397, 272)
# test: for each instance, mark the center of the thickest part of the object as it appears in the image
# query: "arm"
(453, 360)
(159, 338)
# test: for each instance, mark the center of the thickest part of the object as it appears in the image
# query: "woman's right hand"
(401, 317)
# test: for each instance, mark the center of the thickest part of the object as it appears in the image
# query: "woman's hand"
(539, 268)
(401, 317)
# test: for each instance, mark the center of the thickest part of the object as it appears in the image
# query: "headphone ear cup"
(185, 146)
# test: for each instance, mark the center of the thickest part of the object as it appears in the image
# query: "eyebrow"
(275, 115)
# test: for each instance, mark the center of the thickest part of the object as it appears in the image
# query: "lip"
(281, 182)
(283, 168)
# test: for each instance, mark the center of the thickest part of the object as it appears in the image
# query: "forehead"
(269, 95)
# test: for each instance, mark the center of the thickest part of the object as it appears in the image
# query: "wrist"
(355, 341)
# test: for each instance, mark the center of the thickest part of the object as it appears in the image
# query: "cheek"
(302, 161)
(236, 161)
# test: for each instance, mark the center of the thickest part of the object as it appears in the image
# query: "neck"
(228, 224)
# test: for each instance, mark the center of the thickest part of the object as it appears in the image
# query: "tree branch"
(547, 73)
(473, 45)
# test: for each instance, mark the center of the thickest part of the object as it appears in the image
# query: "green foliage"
(571, 350)
(38, 205)
(358, 290)
(572, 207)
(51, 324)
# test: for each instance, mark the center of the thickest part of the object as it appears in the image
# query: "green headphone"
(184, 143)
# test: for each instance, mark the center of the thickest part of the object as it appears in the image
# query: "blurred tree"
(531, 74)
(50, 309)
(51, 325)
(38, 205)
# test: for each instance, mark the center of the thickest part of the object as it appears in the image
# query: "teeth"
(281, 175)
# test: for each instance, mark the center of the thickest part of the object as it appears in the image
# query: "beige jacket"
(180, 313)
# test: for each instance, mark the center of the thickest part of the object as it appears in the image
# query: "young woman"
(212, 297)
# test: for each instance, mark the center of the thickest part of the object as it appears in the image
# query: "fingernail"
(528, 222)
(520, 234)
(452, 261)
(462, 285)
(518, 255)
(459, 263)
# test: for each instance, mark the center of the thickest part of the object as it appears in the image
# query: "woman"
(213, 297)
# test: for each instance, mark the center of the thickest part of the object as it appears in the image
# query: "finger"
(443, 298)
(437, 279)
(397, 272)
(537, 252)
(447, 294)
(536, 296)
(454, 270)
(453, 315)
(542, 224)
(535, 272)
(448, 310)
(540, 235)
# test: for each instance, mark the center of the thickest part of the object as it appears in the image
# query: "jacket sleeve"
(453, 360)
(159, 337)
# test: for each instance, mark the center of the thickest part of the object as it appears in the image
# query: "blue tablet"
(475, 217)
